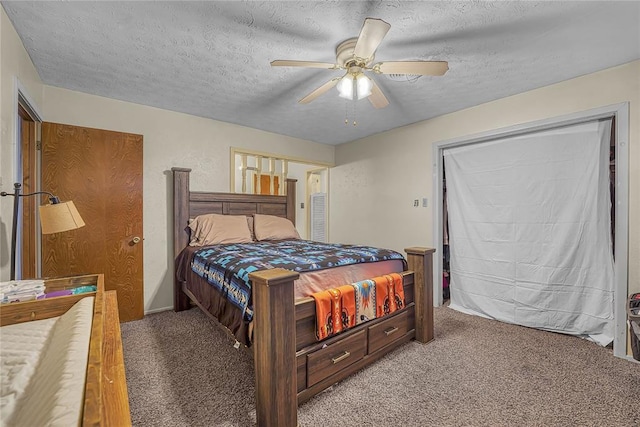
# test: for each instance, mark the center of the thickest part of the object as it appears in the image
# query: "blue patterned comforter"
(227, 266)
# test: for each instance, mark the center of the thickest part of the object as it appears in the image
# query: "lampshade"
(364, 85)
(345, 87)
(58, 217)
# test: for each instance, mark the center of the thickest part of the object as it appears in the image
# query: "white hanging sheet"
(529, 230)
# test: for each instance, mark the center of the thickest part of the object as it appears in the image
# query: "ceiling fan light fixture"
(356, 55)
(364, 86)
(345, 87)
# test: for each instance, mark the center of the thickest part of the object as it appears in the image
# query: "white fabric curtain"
(529, 230)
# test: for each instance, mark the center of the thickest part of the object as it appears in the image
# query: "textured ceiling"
(211, 59)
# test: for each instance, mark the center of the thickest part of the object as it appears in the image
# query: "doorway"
(28, 119)
(620, 113)
(27, 257)
(317, 196)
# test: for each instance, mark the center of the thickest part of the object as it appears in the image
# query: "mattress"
(219, 303)
(43, 367)
(321, 280)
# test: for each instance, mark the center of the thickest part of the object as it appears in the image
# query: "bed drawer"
(331, 359)
(387, 331)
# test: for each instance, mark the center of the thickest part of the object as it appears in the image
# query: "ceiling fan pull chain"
(346, 112)
(355, 123)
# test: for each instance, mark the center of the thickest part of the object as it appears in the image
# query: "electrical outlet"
(302, 205)
(416, 203)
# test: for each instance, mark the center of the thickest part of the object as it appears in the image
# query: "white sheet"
(48, 388)
(21, 346)
(529, 230)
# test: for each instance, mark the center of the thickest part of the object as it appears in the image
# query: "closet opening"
(617, 193)
(612, 183)
(446, 283)
(446, 267)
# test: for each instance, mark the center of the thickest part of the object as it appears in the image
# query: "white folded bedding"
(43, 368)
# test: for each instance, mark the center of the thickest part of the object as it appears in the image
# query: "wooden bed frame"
(106, 401)
(291, 365)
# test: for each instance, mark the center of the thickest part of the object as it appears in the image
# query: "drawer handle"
(390, 331)
(340, 358)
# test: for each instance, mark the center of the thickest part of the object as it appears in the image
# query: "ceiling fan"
(356, 55)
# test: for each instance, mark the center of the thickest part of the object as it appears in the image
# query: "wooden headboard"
(189, 204)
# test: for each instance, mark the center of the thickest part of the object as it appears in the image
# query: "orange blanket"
(341, 308)
(335, 310)
(389, 294)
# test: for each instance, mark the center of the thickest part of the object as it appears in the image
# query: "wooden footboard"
(292, 366)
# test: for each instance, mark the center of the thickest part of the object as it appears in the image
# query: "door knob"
(136, 240)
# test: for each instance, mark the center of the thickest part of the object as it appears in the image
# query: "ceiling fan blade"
(309, 64)
(425, 68)
(377, 98)
(322, 89)
(371, 34)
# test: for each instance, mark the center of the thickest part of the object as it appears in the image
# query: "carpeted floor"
(183, 371)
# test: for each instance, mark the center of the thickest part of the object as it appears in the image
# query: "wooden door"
(101, 172)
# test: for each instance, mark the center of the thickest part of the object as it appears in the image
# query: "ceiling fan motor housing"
(345, 57)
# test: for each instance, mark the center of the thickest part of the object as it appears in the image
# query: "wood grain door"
(101, 172)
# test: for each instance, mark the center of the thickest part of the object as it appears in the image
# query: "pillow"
(269, 227)
(212, 229)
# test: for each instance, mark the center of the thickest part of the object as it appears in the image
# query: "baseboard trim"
(158, 310)
(631, 359)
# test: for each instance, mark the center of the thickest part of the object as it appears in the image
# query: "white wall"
(377, 178)
(14, 64)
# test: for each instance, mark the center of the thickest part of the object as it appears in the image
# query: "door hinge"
(38, 145)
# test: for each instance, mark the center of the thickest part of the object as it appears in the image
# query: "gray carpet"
(183, 371)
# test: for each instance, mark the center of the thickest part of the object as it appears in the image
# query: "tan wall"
(14, 63)
(377, 178)
(171, 139)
